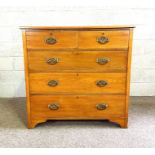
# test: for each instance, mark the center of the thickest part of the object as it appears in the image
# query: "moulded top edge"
(76, 27)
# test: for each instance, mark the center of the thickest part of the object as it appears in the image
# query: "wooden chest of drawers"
(77, 73)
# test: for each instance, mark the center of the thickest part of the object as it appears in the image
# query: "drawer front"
(51, 39)
(61, 106)
(103, 39)
(85, 61)
(47, 83)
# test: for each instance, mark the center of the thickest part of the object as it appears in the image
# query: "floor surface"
(75, 134)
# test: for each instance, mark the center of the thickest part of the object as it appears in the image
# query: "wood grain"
(77, 83)
(74, 39)
(117, 39)
(65, 39)
(77, 61)
(76, 106)
(77, 94)
(28, 103)
(128, 71)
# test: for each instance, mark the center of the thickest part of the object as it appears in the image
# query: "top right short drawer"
(106, 39)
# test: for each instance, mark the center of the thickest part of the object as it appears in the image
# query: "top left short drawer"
(48, 39)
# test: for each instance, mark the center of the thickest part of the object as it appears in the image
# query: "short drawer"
(47, 83)
(104, 39)
(77, 61)
(80, 106)
(51, 39)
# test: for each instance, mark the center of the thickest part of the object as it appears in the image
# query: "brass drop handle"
(52, 61)
(101, 83)
(102, 61)
(53, 83)
(54, 106)
(102, 40)
(101, 106)
(51, 40)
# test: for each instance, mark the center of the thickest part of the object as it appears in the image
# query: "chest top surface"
(77, 27)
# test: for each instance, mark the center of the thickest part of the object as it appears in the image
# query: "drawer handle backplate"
(53, 83)
(101, 106)
(51, 40)
(54, 106)
(102, 61)
(101, 83)
(52, 61)
(102, 40)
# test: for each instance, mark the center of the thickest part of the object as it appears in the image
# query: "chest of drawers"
(77, 73)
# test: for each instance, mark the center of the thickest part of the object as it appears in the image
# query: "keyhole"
(77, 97)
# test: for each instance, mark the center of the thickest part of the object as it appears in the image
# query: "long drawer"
(82, 61)
(47, 83)
(70, 106)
